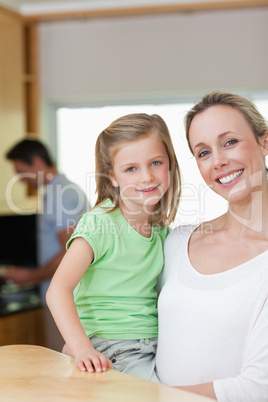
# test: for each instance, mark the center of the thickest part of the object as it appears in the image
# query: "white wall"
(174, 54)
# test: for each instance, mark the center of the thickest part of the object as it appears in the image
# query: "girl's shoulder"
(97, 228)
(162, 231)
(98, 219)
(103, 207)
(100, 211)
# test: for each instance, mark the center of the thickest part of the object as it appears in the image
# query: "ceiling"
(31, 7)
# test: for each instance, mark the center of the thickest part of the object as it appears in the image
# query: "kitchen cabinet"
(24, 327)
(18, 94)
(12, 113)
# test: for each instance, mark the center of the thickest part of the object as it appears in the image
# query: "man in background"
(64, 203)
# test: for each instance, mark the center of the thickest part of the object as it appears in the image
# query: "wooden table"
(34, 373)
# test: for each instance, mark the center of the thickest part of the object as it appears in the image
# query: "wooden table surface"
(34, 373)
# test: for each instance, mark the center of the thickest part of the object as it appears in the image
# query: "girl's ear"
(113, 179)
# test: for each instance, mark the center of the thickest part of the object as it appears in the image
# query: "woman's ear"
(113, 179)
(265, 143)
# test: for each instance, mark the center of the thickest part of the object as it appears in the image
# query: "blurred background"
(69, 68)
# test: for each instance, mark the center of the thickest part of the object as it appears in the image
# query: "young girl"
(115, 255)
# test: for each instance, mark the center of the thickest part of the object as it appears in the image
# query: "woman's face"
(229, 158)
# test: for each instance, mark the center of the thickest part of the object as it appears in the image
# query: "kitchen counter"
(33, 373)
(12, 307)
(21, 315)
(23, 302)
(14, 299)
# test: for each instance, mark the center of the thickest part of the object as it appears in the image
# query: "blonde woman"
(213, 307)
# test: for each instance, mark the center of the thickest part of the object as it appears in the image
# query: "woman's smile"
(230, 178)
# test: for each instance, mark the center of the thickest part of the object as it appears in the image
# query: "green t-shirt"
(116, 297)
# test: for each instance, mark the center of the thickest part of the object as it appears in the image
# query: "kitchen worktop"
(32, 373)
(14, 299)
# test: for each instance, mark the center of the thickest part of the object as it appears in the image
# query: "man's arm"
(24, 276)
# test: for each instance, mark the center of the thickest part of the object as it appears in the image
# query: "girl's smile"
(149, 190)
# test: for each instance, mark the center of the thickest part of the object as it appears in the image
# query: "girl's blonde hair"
(243, 105)
(129, 128)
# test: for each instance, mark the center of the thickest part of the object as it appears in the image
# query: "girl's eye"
(131, 169)
(230, 142)
(155, 163)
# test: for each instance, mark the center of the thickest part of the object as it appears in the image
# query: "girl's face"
(141, 171)
(229, 158)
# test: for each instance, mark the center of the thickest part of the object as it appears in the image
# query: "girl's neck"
(138, 219)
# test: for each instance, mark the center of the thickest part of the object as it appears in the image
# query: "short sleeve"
(165, 231)
(97, 230)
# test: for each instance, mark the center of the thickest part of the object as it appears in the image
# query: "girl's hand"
(91, 360)
(66, 350)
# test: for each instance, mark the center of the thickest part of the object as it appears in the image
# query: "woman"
(213, 307)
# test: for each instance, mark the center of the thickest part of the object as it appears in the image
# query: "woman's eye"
(131, 169)
(155, 163)
(230, 142)
(202, 154)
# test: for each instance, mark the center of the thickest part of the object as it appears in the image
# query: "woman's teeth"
(230, 177)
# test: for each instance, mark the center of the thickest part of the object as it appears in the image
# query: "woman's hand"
(206, 389)
(91, 360)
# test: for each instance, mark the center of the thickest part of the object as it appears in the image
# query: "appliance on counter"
(18, 240)
(18, 248)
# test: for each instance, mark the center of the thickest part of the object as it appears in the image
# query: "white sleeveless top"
(213, 327)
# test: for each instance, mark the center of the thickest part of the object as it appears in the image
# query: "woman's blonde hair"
(243, 105)
(129, 128)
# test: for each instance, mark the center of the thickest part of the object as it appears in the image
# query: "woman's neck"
(250, 215)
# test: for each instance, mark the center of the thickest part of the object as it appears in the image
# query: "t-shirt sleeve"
(252, 383)
(166, 238)
(97, 232)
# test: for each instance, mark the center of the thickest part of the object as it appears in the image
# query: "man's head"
(31, 159)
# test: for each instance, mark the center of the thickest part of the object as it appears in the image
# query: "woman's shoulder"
(207, 228)
(179, 236)
(197, 229)
(184, 230)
